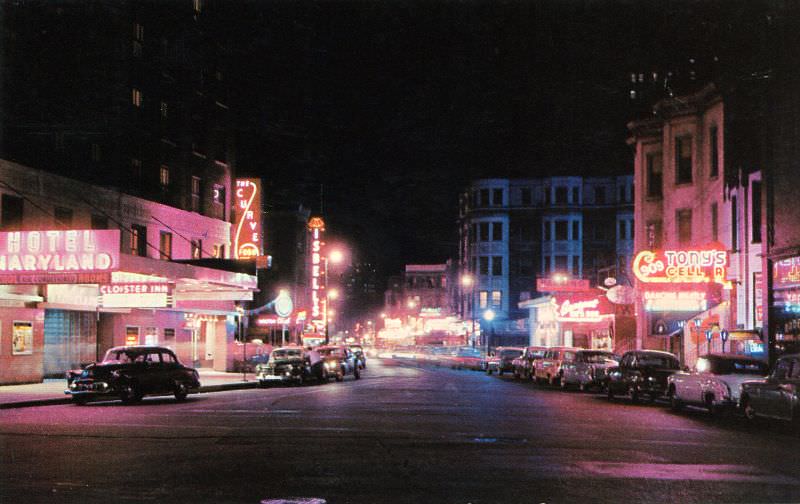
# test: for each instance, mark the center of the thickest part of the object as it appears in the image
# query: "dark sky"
(392, 107)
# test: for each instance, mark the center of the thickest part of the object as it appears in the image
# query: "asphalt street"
(400, 434)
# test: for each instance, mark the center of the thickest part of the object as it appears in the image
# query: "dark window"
(561, 195)
(575, 197)
(546, 231)
(683, 160)
(525, 195)
(197, 194)
(576, 230)
(684, 217)
(139, 240)
(484, 234)
(600, 195)
(484, 197)
(99, 221)
(484, 265)
(473, 232)
(756, 211)
(63, 218)
(546, 269)
(165, 246)
(497, 265)
(561, 264)
(497, 231)
(561, 230)
(714, 219)
(655, 175)
(546, 195)
(576, 265)
(714, 147)
(654, 234)
(497, 197)
(12, 212)
(734, 224)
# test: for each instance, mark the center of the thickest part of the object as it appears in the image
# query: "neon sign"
(562, 284)
(247, 236)
(319, 306)
(58, 256)
(581, 308)
(136, 295)
(682, 266)
(786, 273)
(691, 301)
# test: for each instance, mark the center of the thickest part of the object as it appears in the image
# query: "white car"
(715, 382)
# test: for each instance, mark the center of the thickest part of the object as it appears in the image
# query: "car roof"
(651, 352)
(139, 348)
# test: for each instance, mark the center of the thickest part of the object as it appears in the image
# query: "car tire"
(634, 395)
(130, 392)
(674, 402)
(747, 409)
(180, 390)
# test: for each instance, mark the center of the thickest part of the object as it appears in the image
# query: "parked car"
(467, 358)
(339, 361)
(548, 369)
(130, 373)
(715, 382)
(776, 396)
(361, 356)
(503, 359)
(522, 367)
(251, 364)
(290, 365)
(641, 372)
(588, 369)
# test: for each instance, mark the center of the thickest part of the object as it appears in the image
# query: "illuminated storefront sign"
(682, 266)
(557, 284)
(58, 256)
(316, 226)
(586, 308)
(247, 233)
(786, 273)
(691, 301)
(135, 295)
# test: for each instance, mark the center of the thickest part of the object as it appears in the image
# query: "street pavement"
(400, 434)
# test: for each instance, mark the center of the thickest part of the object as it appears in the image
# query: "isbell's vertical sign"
(247, 238)
(316, 228)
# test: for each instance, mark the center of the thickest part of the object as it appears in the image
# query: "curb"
(28, 403)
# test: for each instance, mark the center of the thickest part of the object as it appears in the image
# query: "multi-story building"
(513, 231)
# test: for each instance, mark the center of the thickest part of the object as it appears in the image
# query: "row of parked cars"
(131, 372)
(718, 382)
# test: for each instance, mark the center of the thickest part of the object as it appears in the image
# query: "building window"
(655, 175)
(138, 32)
(546, 266)
(714, 219)
(483, 299)
(198, 6)
(136, 97)
(497, 265)
(755, 198)
(218, 251)
(197, 249)
(484, 232)
(576, 266)
(131, 335)
(497, 231)
(165, 246)
(497, 197)
(575, 196)
(600, 195)
(684, 220)
(164, 176)
(138, 240)
(63, 218)
(546, 231)
(713, 136)
(219, 194)
(136, 168)
(169, 336)
(151, 336)
(497, 298)
(734, 224)
(653, 230)
(137, 48)
(484, 197)
(99, 221)
(562, 229)
(576, 230)
(525, 196)
(164, 110)
(96, 152)
(483, 262)
(561, 195)
(196, 193)
(561, 264)
(683, 160)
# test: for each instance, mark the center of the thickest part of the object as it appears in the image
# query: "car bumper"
(89, 389)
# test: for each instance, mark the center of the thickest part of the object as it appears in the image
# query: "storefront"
(785, 309)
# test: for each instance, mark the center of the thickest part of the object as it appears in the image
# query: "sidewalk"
(51, 391)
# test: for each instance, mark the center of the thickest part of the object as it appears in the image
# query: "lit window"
(198, 6)
(683, 160)
(136, 96)
(197, 249)
(483, 298)
(164, 110)
(138, 32)
(138, 240)
(165, 246)
(164, 176)
(497, 298)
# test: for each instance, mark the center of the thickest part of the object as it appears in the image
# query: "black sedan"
(642, 372)
(290, 365)
(130, 373)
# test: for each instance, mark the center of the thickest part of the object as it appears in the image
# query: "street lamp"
(488, 316)
(240, 312)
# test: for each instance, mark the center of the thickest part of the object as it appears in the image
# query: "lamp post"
(709, 335)
(240, 312)
(488, 316)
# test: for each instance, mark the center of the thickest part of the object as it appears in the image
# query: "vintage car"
(503, 359)
(715, 381)
(339, 361)
(290, 365)
(466, 357)
(522, 366)
(588, 369)
(131, 372)
(641, 372)
(361, 356)
(777, 396)
(548, 368)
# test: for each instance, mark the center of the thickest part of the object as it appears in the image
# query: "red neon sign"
(582, 308)
(247, 235)
(682, 266)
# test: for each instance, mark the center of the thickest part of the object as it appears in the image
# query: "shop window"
(713, 136)
(131, 335)
(497, 231)
(165, 245)
(169, 337)
(683, 160)
(497, 265)
(655, 175)
(684, 219)
(11, 217)
(22, 338)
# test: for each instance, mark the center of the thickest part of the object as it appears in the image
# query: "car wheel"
(634, 395)
(674, 402)
(79, 400)
(747, 408)
(356, 373)
(180, 390)
(709, 402)
(130, 393)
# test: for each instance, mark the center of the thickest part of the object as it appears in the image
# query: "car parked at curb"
(130, 373)
(339, 361)
(503, 360)
(641, 373)
(715, 382)
(522, 366)
(361, 356)
(548, 369)
(588, 369)
(290, 365)
(777, 396)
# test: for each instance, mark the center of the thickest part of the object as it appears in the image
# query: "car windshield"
(599, 357)
(120, 356)
(287, 353)
(510, 354)
(738, 366)
(658, 361)
(330, 351)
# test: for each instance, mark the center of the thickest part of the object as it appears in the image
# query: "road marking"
(691, 472)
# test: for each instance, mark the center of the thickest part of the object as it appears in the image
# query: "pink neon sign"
(682, 266)
(58, 256)
(247, 235)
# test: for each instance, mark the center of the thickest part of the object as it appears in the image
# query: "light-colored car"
(715, 382)
(522, 366)
(588, 369)
(778, 395)
(548, 368)
(503, 359)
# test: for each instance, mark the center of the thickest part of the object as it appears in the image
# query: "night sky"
(392, 107)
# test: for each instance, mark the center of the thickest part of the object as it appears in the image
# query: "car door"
(787, 389)
(769, 398)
